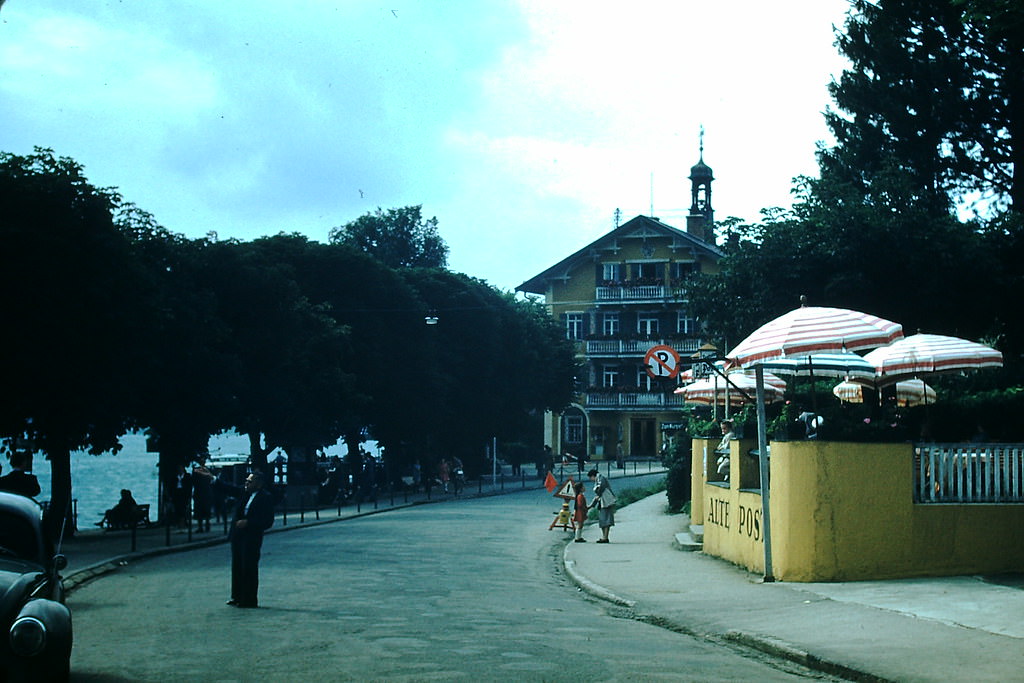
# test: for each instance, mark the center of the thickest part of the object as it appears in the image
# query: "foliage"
(76, 306)
(924, 124)
(118, 323)
(400, 238)
(631, 495)
(933, 90)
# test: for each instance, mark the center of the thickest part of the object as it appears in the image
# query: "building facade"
(617, 298)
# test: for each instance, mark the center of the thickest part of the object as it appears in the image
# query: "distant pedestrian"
(202, 497)
(253, 516)
(444, 473)
(179, 489)
(604, 500)
(20, 479)
(579, 511)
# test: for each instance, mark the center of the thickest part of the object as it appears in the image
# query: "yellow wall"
(843, 511)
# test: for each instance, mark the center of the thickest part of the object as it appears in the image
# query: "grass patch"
(627, 496)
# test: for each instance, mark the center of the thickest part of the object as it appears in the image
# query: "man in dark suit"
(254, 514)
(20, 479)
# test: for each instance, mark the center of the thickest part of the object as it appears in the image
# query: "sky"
(521, 125)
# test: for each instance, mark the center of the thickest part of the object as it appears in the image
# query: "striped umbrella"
(815, 329)
(848, 365)
(913, 392)
(930, 354)
(709, 391)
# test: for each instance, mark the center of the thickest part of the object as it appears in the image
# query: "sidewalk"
(934, 629)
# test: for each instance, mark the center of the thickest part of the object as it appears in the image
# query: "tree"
(934, 92)
(492, 363)
(191, 364)
(76, 305)
(382, 315)
(289, 353)
(398, 237)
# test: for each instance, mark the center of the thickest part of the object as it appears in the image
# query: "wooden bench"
(139, 517)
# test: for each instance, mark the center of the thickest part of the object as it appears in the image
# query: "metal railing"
(636, 347)
(969, 473)
(638, 400)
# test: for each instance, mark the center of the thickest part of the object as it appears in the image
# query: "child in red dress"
(580, 512)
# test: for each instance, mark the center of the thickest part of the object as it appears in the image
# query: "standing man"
(253, 516)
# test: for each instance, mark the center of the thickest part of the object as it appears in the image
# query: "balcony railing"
(633, 400)
(636, 347)
(638, 293)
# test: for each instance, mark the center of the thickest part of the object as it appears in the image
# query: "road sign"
(662, 361)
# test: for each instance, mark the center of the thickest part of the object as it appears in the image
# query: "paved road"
(464, 590)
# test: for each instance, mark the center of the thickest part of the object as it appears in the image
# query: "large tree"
(933, 92)
(398, 237)
(76, 306)
(926, 121)
(383, 317)
(289, 353)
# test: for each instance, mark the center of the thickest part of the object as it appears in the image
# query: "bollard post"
(302, 508)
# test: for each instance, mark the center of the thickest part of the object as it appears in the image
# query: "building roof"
(635, 228)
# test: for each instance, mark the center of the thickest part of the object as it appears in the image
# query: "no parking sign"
(662, 361)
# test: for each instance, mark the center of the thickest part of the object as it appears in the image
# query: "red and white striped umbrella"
(709, 391)
(930, 354)
(912, 392)
(815, 329)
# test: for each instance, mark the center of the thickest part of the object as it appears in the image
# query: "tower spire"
(700, 222)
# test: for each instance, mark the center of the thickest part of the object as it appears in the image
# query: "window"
(609, 376)
(683, 270)
(685, 324)
(648, 324)
(643, 378)
(646, 271)
(610, 324)
(611, 272)
(574, 326)
(573, 429)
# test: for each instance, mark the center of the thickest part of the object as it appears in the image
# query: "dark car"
(36, 624)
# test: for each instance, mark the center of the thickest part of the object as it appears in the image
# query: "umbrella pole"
(762, 449)
(814, 394)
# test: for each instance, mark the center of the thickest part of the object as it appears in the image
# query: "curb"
(589, 586)
(783, 650)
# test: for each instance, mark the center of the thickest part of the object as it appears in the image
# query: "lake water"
(97, 480)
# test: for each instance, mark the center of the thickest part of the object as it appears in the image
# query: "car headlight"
(28, 636)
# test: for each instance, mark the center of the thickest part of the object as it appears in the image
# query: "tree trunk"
(258, 454)
(59, 518)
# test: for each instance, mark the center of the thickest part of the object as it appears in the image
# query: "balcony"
(633, 400)
(621, 348)
(639, 293)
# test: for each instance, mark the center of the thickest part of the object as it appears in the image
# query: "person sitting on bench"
(124, 514)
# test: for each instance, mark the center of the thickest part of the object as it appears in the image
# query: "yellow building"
(618, 297)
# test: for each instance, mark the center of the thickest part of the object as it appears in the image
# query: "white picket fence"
(968, 473)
